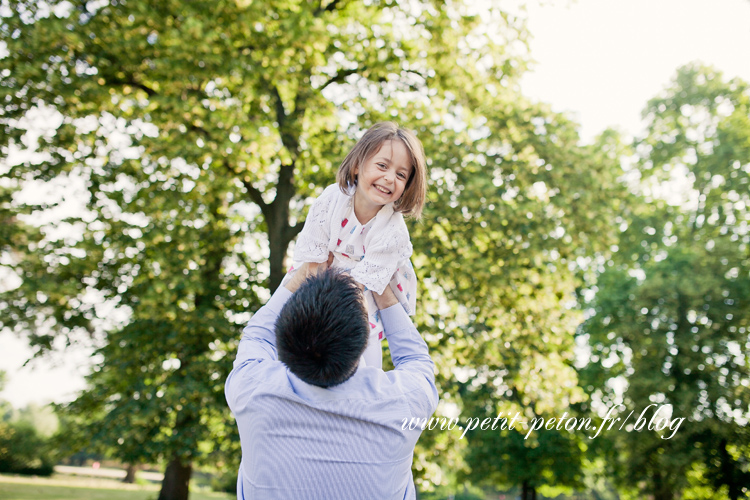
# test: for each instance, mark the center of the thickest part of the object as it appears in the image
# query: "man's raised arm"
(258, 337)
(408, 350)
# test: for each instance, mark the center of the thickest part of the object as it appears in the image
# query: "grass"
(69, 488)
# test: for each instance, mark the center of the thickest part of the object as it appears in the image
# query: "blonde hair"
(412, 199)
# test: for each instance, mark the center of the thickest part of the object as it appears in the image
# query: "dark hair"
(413, 198)
(322, 330)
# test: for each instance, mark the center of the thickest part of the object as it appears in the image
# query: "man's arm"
(408, 350)
(259, 338)
(257, 345)
(305, 271)
(258, 342)
(386, 299)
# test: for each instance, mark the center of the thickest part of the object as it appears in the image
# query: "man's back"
(300, 441)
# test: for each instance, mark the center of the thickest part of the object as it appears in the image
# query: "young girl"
(360, 220)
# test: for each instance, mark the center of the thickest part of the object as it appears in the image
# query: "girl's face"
(382, 178)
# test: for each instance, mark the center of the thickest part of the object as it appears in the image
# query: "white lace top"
(376, 254)
(386, 241)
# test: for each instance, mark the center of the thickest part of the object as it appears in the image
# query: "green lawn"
(37, 489)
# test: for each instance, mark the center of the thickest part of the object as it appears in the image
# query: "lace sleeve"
(382, 257)
(312, 241)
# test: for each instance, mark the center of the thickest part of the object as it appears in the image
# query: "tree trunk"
(528, 492)
(278, 248)
(176, 483)
(130, 474)
(663, 494)
(280, 233)
(662, 490)
(730, 473)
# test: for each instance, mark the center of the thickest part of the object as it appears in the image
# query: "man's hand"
(386, 299)
(305, 271)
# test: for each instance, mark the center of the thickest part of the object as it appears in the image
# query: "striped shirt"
(301, 441)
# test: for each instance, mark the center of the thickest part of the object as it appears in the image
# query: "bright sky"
(600, 60)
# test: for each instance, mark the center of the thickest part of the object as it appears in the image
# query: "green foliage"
(41, 418)
(200, 131)
(671, 310)
(23, 450)
(25, 445)
(499, 264)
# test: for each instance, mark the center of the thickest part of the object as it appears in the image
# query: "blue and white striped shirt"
(346, 442)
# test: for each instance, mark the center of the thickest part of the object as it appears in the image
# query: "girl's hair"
(413, 198)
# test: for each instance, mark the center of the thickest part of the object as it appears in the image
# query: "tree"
(199, 132)
(15, 234)
(24, 433)
(501, 272)
(671, 312)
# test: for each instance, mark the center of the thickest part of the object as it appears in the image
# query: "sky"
(600, 61)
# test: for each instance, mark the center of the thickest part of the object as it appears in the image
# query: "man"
(313, 424)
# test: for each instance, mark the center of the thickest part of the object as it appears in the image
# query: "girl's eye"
(402, 175)
(381, 165)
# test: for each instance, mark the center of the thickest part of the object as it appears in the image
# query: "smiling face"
(381, 179)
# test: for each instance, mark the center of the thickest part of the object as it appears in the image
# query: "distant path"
(75, 481)
(88, 477)
(105, 472)
(79, 484)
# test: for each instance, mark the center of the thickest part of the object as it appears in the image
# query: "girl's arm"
(313, 240)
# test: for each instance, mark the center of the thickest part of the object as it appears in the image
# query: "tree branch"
(328, 8)
(279, 105)
(243, 48)
(414, 72)
(255, 195)
(149, 91)
(200, 130)
(131, 81)
(289, 134)
(341, 75)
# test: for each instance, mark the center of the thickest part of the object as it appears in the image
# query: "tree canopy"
(193, 136)
(196, 135)
(671, 313)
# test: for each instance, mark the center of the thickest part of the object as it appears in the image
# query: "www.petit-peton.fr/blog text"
(651, 418)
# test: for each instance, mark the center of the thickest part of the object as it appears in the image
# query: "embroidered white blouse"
(376, 254)
(386, 247)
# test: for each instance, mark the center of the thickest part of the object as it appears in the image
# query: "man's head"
(322, 330)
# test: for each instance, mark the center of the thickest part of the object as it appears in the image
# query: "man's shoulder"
(253, 377)
(374, 383)
(390, 397)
